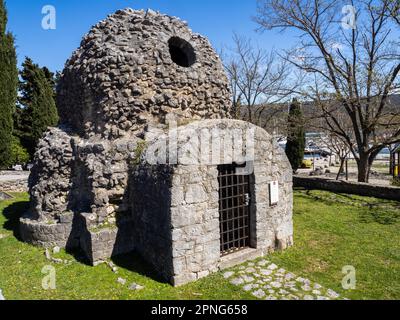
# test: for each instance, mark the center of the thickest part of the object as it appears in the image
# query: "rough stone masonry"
(91, 186)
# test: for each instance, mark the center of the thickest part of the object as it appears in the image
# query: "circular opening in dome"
(182, 52)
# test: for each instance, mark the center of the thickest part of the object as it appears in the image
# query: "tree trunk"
(391, 164)
(364, 168)
(342, 160)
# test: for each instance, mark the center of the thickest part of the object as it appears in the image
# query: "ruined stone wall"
(50, 179)
(150, 199)
(91, 185)
(19, 185)
(130, 71)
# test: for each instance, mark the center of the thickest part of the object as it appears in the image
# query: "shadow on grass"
(13, 213)
(131, 261)
(384, 212)
(379, 216)
(135, 263)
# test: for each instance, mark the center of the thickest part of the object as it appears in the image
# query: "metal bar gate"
(234, 209)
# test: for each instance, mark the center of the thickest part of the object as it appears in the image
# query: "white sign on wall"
(274, 193)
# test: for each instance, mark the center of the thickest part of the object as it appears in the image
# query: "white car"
(18, 167)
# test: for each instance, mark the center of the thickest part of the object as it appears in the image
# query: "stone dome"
(133, 69)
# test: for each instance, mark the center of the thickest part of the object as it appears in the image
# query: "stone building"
(147, 159)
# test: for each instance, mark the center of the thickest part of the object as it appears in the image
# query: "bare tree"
(394, 10)
(336, 145)
(258, 81)
(353, 64)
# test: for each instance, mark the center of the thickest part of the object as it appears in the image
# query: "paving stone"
(317, 286)
(290, 284)
(332, 294)
(263, 263)
(248, 278)
(249, 287)
(229, 274)
(266, 272)
(259, 294)
(276, 284)
(237, 281)
(279, 279)
(289, 276)
(306, 287)
(272, 266)
(136, 287)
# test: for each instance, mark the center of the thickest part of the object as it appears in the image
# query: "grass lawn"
(331, 231)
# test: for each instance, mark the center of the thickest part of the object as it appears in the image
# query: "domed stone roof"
(133, 69)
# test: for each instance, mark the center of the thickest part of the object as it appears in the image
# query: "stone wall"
(361, 189)
(150, 203)
(19, 185)
(195, 223)
(194, 245)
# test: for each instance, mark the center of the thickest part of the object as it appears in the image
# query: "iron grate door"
(234, 209)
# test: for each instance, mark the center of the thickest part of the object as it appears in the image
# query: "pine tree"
(8, 87)
(296, 136)
(37, 110)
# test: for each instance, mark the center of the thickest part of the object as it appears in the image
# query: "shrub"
(18, 154)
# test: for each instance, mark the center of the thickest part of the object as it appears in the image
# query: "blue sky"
(216, 19)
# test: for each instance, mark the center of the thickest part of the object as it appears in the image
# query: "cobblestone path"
(267, 281)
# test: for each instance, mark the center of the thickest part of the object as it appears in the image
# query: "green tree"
(37, 110)
(8, 87)
(296, 140)
(18, 154)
